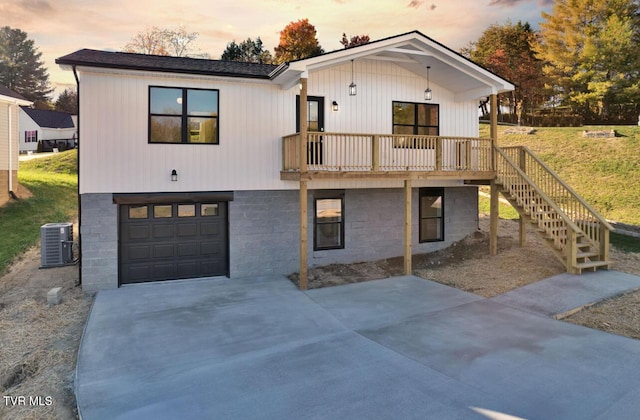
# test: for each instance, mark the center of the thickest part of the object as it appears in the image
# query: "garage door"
(172, 241)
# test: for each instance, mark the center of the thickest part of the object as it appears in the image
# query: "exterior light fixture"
(174, 175)
(334, 106)
(428, 94)
(352, 86)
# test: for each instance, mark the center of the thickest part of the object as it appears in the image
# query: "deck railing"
(594, 226)
(386, 153)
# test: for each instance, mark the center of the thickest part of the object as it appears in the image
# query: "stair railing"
(539, 206)
(594, 227)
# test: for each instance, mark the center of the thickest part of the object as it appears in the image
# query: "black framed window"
(181, 115)
(328, 222)
(431, 215)
(417, 119)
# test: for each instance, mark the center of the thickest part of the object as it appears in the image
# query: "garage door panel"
(164, 251)
(185, 230)
(210, 228)
(185, 242)
(163, 230)
(138, 252)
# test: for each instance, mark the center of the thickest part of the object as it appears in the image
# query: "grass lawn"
(605, 172)
(53, 181)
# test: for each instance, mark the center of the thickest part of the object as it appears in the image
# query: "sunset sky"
(60, 27)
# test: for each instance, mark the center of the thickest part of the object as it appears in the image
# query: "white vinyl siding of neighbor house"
(27, 124)
(4, 136)
(253, 117)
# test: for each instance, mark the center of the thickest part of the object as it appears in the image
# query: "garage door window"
(162, 211)
(186, 210)
(208, 210)
(138, 212)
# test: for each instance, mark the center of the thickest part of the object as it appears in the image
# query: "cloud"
(26, 10)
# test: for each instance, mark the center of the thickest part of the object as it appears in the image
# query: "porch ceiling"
(413, 52)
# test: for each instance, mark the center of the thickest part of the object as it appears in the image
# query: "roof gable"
(49, 119)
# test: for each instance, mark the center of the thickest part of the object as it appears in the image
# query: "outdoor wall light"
(428, 94)
(334, 106)
(352, 86)
(174, 175)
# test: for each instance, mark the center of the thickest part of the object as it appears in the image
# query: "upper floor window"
(180, 115)
(31, 136)
(415, 118)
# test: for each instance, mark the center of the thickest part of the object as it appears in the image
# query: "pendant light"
(352, 86)
(428, 94)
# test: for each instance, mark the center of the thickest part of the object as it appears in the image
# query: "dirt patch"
(38, 342)
(467, 265)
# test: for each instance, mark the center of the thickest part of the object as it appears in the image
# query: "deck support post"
(493, 128)
(302, 277)
(303, 125)
(494, 212)
(407, 227)
(522, 230)
(604, 243)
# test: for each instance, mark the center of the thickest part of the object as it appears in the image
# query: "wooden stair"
(577, 234)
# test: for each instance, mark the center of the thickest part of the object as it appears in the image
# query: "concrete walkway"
(396, 348)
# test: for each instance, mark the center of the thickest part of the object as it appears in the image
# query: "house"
(45, 130)
(9, 103)
(197, 168)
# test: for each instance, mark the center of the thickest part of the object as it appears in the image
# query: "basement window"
(328, 232)
(183, 116)
(431, 215)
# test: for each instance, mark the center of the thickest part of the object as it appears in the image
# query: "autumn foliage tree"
(354, 40)
(297, 40)
(507, 50)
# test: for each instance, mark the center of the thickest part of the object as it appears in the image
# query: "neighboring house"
(197, 168)
(44, 130)
(9, 105)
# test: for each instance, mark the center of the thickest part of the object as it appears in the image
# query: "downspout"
(11, 193)
(75, 74)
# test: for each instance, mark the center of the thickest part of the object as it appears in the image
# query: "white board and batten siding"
(253, 117)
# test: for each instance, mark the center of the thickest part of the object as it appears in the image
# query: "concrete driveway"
(399, 348)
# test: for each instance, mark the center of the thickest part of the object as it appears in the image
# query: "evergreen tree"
(21, 67)
(67, 102)
(248, 51)
(591, 49)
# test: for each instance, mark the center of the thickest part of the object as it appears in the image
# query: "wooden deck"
(389, 156)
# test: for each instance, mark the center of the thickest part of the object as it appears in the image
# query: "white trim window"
(31, 136)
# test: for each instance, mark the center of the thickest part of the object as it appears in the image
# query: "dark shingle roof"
(49, 119)
(131, 61)
(5, 91)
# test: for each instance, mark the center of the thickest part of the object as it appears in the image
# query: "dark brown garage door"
(172, 241)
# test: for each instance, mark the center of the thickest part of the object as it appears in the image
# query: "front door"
(315, 123)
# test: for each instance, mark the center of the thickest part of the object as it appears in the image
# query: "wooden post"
(438, 153)
(303, 281)
(494, 211)
(303, 125)
(407, 227)
(493, 130)
(523, 230)
(604, 243)
(375, 153)
(572, 251)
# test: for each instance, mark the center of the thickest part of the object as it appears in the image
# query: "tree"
(21, 68)
(591, 50)
(507, 50)
(67, 101)
(297, 40)
(162, 41)
(354, 40)
(249, 51)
